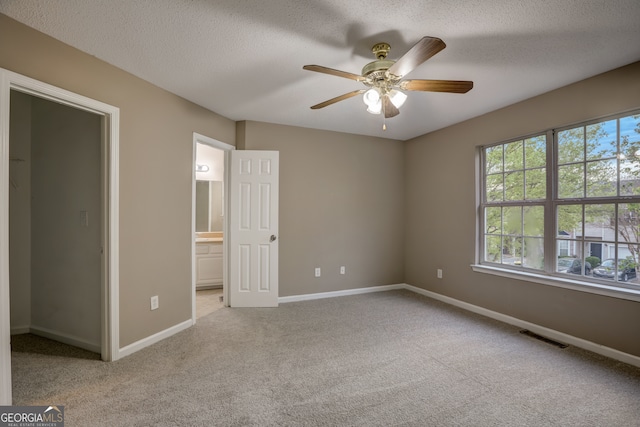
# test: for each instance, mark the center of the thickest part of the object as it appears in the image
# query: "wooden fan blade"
(420, 52)
(454, 86)
(390, 110)
(331, 71)
(338, 99)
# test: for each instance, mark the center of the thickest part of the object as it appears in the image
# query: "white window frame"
(548, 276)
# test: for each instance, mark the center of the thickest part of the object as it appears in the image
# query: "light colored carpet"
(384, 359)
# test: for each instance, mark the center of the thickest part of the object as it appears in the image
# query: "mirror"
(209, 206)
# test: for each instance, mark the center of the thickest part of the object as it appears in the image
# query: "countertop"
(209, 239)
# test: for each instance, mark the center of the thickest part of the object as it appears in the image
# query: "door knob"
(273, 238)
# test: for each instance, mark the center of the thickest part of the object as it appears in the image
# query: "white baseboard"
(321, 295)
(150, 340)
(65, 338)
(540, 330)
(17, 330)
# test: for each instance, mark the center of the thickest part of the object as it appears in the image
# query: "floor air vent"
(541, 338)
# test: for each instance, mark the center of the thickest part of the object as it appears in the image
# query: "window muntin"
(594, 209)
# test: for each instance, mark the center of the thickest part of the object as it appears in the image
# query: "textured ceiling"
(243, 59)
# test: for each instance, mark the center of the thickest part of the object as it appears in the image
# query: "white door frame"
(197, 138)
(110, 164)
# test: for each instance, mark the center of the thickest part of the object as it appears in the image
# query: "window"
(515, 192)
(566, 202)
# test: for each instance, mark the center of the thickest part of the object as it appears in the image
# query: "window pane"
(571, 264)
(493, 248)
(571, 181)
(628, 262)
(533, 256)
(602, 178)
(630, 155)
(571, 145)
(630, 136)
(602, 140)
(512, 250)
(493, 220)
(599, 222)
(569, 221)
(513, 156)
(630, 176)
(535, 152)
(606, 270)
(623, 269)
(495, 188)
(563, 248)
(534, 221)
(595, 252)
(493, 159)
(514, 186)
(512, 220)
(535, 184)
(629, 222)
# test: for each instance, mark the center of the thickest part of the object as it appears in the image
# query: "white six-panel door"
(253, 224)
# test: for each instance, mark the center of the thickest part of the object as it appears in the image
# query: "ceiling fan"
(383, 77)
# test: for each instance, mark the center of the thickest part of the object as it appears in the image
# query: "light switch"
(84, 218)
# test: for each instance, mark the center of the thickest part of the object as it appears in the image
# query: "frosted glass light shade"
(371, 97)
(375, 108)
(397, 98)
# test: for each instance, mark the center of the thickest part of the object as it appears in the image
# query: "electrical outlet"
(317, 271)
(154, 302)
(439, 273)
(343, 270)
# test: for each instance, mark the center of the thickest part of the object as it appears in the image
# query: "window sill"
(576, 285)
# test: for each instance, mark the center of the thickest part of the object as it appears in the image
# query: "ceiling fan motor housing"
(376, 71)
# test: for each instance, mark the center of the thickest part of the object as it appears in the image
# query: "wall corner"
(241, 135)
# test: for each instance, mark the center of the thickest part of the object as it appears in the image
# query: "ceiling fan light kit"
(373, 99)
(383, 77)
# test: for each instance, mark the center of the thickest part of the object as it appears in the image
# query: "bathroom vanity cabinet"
(208, 264)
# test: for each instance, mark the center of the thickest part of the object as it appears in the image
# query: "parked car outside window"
(606, 270)
(573, 266)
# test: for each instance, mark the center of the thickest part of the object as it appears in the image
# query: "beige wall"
(441, 213)
(341, 203)
(19, 209)
(156, 161)
(65, 248)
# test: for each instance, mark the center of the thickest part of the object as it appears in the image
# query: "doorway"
(109, 230)
(596, 250)
(209, 226)
(56, 221)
